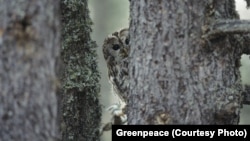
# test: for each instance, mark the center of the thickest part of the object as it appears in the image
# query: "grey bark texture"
(29, 45)
(179, 72)
(81, 111)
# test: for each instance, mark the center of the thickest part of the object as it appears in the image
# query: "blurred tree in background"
(29, 45)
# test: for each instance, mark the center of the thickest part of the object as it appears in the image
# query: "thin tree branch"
(224, 27)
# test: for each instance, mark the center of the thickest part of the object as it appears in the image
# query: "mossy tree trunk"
(29, 45)
(184, 66)
(81, 111)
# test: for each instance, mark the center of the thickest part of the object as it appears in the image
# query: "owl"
(116, 50)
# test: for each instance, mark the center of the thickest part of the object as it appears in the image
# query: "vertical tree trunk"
(81, 111)
(29, 44)
(178, 75)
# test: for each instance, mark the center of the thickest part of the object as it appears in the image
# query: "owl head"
(115, 47)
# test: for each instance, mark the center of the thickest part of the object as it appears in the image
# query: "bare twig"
(225, 27)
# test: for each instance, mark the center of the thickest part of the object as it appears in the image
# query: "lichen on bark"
(81, 112)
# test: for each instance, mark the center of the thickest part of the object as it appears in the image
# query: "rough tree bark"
(29, 44)
(184, 66)
(81, 111)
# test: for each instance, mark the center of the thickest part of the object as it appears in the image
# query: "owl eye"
(127, 41)
(116, 47)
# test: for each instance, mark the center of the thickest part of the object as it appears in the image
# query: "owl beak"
(124, 52)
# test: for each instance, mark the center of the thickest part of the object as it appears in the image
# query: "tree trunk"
(29, 44)
(184, 66)
(81, 111)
